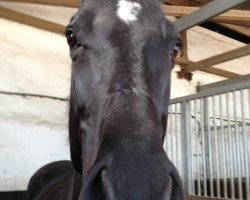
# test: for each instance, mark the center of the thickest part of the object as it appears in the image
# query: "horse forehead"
(126, 10)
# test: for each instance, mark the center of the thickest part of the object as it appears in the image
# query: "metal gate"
(208, 139)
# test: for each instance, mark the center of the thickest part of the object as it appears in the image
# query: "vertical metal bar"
(245, 146)
(176, 136)
(248, 145)
(227, 156)
(237, 146)
(190, 138)
(210, 165)
(181, 139)
(223, 160)
(186, 145)
(231, 161)
(170, 134)
(197, 149)
(203, 148)
(216, 149)
(206, 138)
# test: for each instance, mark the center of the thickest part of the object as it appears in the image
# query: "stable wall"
(33, 130)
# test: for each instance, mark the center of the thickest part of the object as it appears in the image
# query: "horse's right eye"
(71, 39)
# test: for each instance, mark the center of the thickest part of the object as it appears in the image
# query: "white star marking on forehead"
(127, 11)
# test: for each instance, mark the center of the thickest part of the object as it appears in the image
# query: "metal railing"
(208, 139)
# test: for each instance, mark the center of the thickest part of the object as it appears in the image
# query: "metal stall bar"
(223, 160)
(230, 147)
(197, 144)
(203, 147)
(190, 149)
(217, 88)
(176, 135)
(248, 145)
(186, 141)
(238, 157)
(216, 153)
(209, 148)
(245, 146)
(169, 141)
(208, 11)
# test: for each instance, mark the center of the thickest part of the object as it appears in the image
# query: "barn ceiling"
(236, 20)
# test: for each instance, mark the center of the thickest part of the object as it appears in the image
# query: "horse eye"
(177, 50)
(71, 39)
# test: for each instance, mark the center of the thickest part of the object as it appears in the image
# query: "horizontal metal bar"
(225, 126)
(219, 88)
(204, 198)
(241, 80)
(208, 11)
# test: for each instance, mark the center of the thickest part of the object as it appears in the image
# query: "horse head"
(122, 54)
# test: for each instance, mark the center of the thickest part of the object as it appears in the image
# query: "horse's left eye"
(177, 50)
(71, 39)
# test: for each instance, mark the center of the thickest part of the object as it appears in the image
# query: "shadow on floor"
(16, 195)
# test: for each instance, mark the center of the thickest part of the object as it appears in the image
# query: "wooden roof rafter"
(31, 20)
(201, 15)
(67, 3)
(233, 16)
(206, 12)
(220, 58)
(209, 69)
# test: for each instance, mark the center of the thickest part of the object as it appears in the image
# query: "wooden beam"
(207, 12)
(175, 2)
(232, 16)
(244, 30)
(184, 49)
(217, 59)
(32, 21)
(210, 70)
(199, 2)
(68, 3)
(221, 72)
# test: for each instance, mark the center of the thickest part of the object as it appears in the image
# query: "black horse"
(122, 54)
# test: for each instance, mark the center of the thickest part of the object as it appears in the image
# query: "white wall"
(33, 131)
